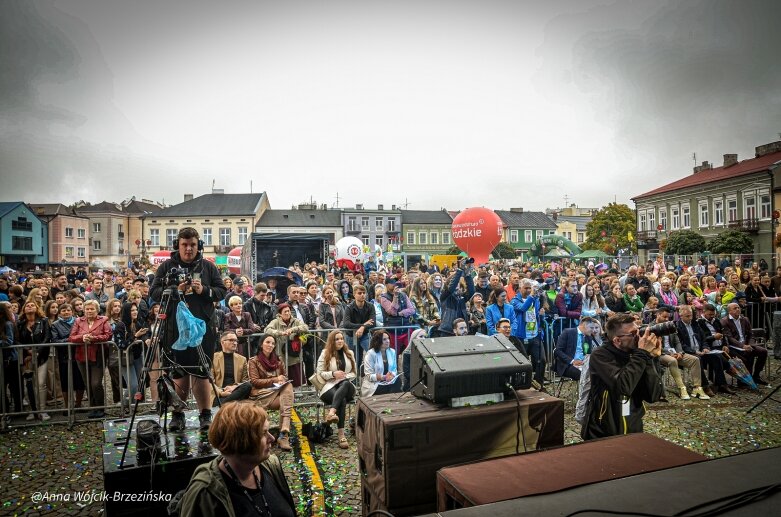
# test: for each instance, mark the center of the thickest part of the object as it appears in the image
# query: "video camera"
(177, 276)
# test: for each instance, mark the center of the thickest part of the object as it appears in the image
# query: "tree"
(453, 250)
(610, 229)
(504, 251)
(731, 241)
(685, 242)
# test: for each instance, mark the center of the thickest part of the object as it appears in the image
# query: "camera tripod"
(166, 385)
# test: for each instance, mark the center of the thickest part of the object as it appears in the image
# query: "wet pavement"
(325, 479)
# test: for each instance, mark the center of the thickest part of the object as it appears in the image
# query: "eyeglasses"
(631, 334)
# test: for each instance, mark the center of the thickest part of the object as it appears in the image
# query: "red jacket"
(100, 330)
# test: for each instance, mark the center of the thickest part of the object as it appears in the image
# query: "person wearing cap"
(238, 290)
(527, 312)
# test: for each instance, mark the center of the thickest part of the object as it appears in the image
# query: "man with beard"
(623, 377)
(201, 291)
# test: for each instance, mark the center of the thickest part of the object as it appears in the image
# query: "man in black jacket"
(713, 337)
(359, 317)
(201, 291)
(261, 311)
(693, 341)
(623, 376)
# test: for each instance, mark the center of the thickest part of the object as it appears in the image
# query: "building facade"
(23, 236)
(737, 195)
(305, 219)
(521, 229)
(68, 234)
(224, 221)
(425, 233)
(378, 227)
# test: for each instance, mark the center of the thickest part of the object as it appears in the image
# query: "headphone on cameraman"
(176, 241)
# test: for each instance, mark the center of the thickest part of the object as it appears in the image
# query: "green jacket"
(207, 495)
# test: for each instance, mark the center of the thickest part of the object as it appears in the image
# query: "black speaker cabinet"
(462, 366)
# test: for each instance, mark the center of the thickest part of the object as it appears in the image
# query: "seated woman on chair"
(265, 370)
(336, 366)
(380, 365)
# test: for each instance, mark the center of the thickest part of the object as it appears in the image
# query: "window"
(364, 223)
(686, 216)
(663, 218)
(96, 245)
(207, 236)
(538, 234)
(527, 235)
(378, 224)
(95, 227)
(568, 235)
(391, 225)
(676, 219)
(445, 237)
(718, 212)
(434, 237)
(82, 252)
(750, 203)
(170, 237)
(225, 236)
(154, 236)
(641, 223)
(422, 238)
(652, 220)
(22, 225)
(513, 235)
(581, 237)
(365, 239)
(81, 233)
(68, 251)
(732, 210)
(119, 228)
(410, 237)
(351, 224)
(704, 214)
(764, 204)
(242, 235)
(378, 241)
(68, 233)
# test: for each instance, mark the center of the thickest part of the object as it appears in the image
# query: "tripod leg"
(769, 395)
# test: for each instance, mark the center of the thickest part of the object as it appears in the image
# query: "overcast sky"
(434, 103)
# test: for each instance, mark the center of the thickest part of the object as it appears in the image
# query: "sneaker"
(205, 420)
(177, 422)
(700, 393)
(45, 417)
(284, 442)
(684, 394)
(30, 417)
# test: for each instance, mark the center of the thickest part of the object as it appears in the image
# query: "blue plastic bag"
(191, 329)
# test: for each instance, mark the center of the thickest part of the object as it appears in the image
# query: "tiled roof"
(51, 209)
(425, 217)
(7, 206)
(103, 207)
(526, 219)
(300, 218)
(743, 168)
(141, 207)
(580, 222)
(214, 205)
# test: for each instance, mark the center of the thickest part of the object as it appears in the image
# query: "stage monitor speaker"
(463, 366)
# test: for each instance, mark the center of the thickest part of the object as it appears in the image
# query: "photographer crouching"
(199, 283)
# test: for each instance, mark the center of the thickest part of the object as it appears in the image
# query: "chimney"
(730, 159)
(393, 207)
(380, 207)
(359, 207)
(705, 166)
(188, 197)
(518, 210)
(772, 147)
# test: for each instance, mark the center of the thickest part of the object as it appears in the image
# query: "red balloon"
(234, 261)
(477, 231)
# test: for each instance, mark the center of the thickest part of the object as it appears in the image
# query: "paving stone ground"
(52, 458)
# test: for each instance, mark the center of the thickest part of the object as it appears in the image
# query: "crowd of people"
(347, 330)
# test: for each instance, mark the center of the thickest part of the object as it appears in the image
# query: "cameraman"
(453, 298)
(201, 289)
(623, 376)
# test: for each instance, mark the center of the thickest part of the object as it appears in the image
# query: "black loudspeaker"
(450, 367)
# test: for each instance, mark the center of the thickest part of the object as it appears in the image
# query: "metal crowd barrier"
(29, 384)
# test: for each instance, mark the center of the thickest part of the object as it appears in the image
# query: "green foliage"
(610, 228)
(685, 242)
(503, 250)
(731, 241)
(453, 250)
